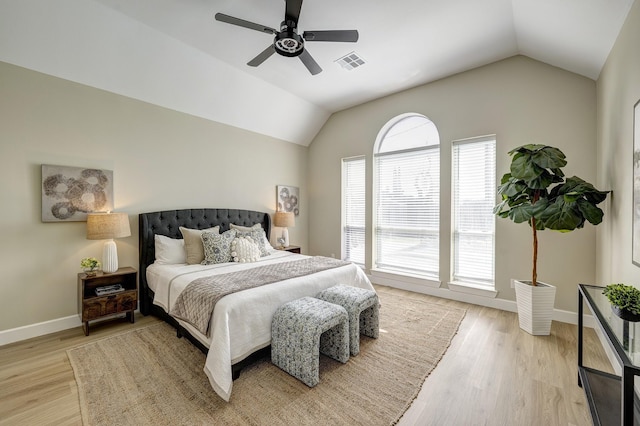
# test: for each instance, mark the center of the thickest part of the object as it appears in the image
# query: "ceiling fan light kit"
(287, 42)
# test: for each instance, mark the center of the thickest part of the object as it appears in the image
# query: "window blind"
(353, 204)
(474, 196)
(407, 211)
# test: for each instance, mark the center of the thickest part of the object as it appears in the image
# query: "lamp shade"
(105, 226)
(284, 219)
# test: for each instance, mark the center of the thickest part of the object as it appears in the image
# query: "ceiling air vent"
(350, 61)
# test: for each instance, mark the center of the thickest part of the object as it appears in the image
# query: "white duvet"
(241, 322)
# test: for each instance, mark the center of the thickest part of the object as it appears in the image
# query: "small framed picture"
(288, 199)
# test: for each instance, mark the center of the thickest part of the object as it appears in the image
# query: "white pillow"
(244, 250)
(257, 233)
(169, 251)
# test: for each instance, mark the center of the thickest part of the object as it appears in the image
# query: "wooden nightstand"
(292, 249)
(92, 306)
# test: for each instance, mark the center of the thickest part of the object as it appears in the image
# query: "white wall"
(89, 43)
(161, 159)
(618, 89)
(518, 99)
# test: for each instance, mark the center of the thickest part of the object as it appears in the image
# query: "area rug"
(148, 376)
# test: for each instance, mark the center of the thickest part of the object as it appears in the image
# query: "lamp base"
(285, 237)
(109, 257)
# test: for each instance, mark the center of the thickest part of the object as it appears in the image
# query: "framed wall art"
(69, 193)
(288, 198)
(635, 250)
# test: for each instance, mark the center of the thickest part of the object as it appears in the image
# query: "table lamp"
(107, 226)
(284, 220)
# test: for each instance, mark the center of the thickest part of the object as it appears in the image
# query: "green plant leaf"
(498, 209)
(522, 167)
(577, 185)
(593, 195)
(543, 181)
(558, 172)
(511, 187)
(596, 197)
(572, 197)
(527, 149)
(549, 157)
(590, 212)
(538, 209)
(561, 216)
(505, 178)
(521, 213)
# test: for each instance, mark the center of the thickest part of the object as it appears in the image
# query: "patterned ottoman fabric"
(363, 308)
(303, 328)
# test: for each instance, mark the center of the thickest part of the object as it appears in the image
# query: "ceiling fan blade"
(263, 56)
(310, 63)
(242, 23)
(331, 35)
(292, 12)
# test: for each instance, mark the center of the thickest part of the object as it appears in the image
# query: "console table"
(611, 398)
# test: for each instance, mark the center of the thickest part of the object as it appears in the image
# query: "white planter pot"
(535, 306)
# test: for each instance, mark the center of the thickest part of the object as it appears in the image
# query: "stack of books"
(109, 289)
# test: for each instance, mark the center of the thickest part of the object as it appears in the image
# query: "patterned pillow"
(217, 247)
(245, 250)
(256, 233)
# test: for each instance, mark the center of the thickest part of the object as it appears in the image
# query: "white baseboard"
(490, 302)
(39, 329)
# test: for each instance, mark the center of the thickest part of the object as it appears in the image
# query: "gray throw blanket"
(195, 304)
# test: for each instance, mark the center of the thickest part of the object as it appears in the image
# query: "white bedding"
(241, 322)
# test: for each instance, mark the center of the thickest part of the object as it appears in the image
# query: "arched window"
(407, 197)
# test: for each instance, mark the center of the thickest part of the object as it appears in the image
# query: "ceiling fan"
(287, 41)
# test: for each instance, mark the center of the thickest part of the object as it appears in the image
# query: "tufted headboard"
(168, 223)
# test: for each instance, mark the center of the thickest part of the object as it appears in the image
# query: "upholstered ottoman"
(363, 308)
(303, 328)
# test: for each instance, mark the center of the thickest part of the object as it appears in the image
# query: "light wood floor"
(493, 374)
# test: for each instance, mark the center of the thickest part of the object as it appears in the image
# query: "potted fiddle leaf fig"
(536, 192)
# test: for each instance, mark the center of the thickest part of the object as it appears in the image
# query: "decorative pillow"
(256, 233)
(244, 250)
(193, 243)
(169, 250)
(217, 247)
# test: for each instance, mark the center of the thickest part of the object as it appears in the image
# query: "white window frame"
(345, 225)
(477, 282)
(417, 276)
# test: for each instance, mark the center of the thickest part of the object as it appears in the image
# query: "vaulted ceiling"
(174, 53)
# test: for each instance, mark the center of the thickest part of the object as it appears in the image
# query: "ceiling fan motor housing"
(287, 42)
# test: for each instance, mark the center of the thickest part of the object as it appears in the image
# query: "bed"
(240, 324)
